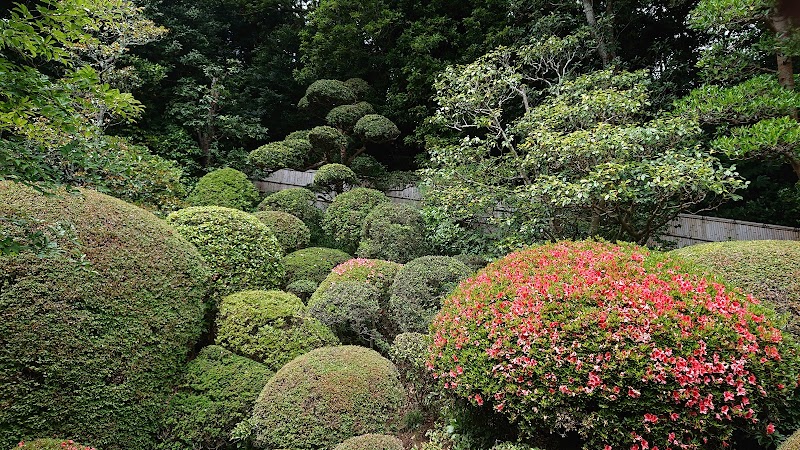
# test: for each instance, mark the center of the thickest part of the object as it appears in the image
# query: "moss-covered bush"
(334, 178)
(769, 270)
(93, 336)
(51, 444)
(291, 232)
(224, 187)
(298, 202)
(327, 396)
(420, 286)
(393, 231)
(344, 218)
(275, 156)
(269, 326)
(352, 311)
(793, 443)
(371, 442)
(624, 346)
(303, 289)
(240, 250)
(314, 263)
(218, 391)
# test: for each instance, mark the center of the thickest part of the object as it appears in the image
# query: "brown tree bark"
(602, 47)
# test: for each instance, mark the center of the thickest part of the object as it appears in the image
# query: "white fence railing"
(686, 229)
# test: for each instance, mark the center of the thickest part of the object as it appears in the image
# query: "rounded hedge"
(344, 117)
(327, 140)
(218, 391)
(277, 155)
(51, 444)
(769, 270)
(361, 89)
(395, 232)
(313, 264)
(371, 442)
(376, 128)
(374, 272)
(242, 251)
(269, 326)
(224, 187)
(352, 310)
(334, 178)
(298, 202)
(327, 396)
(304, 289)
(93, 335)
(624, 342)
(326, 94)
(420, 286)
(291, 232)
(344, 218)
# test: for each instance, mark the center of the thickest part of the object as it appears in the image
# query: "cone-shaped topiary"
(218, 391)
(298, 202)
(371, 442)
(314, 263)
(242, 251)
(344, 218)
(94, 334)
(292, 234)
(269, 326)
(327, 396)
(393, 231)
(224, 187)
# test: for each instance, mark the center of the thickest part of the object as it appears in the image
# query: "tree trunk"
(781, 25)
(602, 48)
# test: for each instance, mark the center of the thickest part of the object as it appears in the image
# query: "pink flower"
(770, 429)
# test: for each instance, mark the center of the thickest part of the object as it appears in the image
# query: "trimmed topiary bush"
(375, 128)
(420, 286)
(344, 117)
(393, 231)
(327, 396)
(352, 311)
(52, 444)
(277, 155)
(291, 232)
(334, 178)
(304, 289)
(374, 272)
(344, 218)
(326, 94)
(409, 353)
(624, 346)
(224, 187)
(93, 335)
(269, 326)
(242, 251)
(371, 442)
(298, 202)
(769, 270)
(218, 391)
(314, 263)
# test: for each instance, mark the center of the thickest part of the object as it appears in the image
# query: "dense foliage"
(298, 202)
(292, 234)
(622, 346)
(270, 327)
(371, 442)
(224, 187)
(313, 264)
(217, 392)
(99, 325)
(395, 232)
(327, 396)
(344, 218)
(53, 444)
(375, 272)
(240, 250)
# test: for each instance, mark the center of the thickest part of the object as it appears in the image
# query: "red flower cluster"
(622, 345)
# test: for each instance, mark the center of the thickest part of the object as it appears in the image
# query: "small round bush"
(304, 289)
(361, 89)
(420, 286)
(327, 396)
(327, 140)
(275, 156)
(376, 128)
(769, 270)
(393, 231)
(242, 251)
(344, 117)
(314, 263)
(371, 442)
(269, 326)
(326, 94)
(291, 232)
(298, 202)
(218, 391)
(344, 219)
(352, 311)
(52, 444)
(334, 178)
(624, 346)
(374, 272)
(224, 187)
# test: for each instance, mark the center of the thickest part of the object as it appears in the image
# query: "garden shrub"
(769, 270)
(352, 311)
(304, 289)
(275, 156)
(474, 262)
(334, 178)
(793, 443)
(409, 352)
(418, 289)
(291, 232)
(344, 219)
(224, 187)
(314, 263)
(393, 231)
(298, 202)
(241, 251)
(218, 391)
(330, 93)
(371, 442)
(51, 444)
(95, 332)
(375, 272)
(327, 396)
(622, 346)
(269, 326)
(344, 117)
(376, 128)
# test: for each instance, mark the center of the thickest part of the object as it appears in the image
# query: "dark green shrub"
(420, 286)
(793, 443)
(269, 326)
(327, 141)
(52, 444)
(298, 202)
(326, 396)
(361, 89)
(291, 232)
(93, 336)
(314, 263)
(769, 270)
(326, 94)
(344, 219)
(474, 262)
(393, 231)
(300, 135)
(304, 289)
(377, 129)
(218, 391)
(352, 311)
(345, 117)
(275, 156)
(371, 442)
(224, 187)
(242, 251)
(334, 178)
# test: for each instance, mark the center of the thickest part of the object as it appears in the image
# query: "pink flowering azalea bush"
(623, 346)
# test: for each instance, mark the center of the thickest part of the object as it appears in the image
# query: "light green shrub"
(224, 187)
(314, 263)
(275, 156)
(393, 231)
(371, 442)
(298, 202)
(304, 289)
(292, 234)
(334, 178)
(344, 218)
